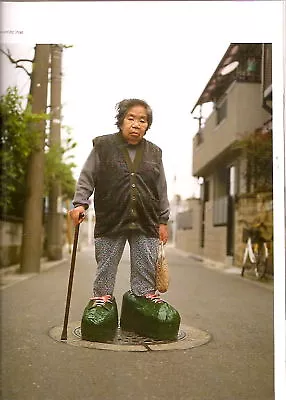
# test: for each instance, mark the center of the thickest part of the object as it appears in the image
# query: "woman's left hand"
(163, 233)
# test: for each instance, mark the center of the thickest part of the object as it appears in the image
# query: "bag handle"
(161, 250)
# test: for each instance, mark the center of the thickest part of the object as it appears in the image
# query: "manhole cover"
(188, 337)
(124, 338)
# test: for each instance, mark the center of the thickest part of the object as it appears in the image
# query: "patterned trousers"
(143, 257)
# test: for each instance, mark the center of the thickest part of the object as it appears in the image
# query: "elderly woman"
(126, 173)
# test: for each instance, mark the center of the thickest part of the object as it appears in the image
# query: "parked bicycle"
(256, 251)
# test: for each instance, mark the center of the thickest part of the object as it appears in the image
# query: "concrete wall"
(249, 114)
(10, 246)
(215, 236)
(11, 240)
(189, 239)
(244, 114)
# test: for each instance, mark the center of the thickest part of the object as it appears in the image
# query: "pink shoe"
(101, 300)
(154, 297)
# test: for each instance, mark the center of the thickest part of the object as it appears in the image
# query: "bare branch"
(16, 62)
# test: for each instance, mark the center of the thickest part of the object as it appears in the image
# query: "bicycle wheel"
(261, 261)
(243, 268)
(248, 257)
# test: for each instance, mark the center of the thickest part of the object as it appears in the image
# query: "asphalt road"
(237, 364)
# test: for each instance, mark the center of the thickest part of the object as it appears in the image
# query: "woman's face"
(134, 125)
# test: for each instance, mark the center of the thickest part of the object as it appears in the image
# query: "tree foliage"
(257, 147)
(18, 140)
(58, 166)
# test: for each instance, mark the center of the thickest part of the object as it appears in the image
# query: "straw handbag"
(162, 272)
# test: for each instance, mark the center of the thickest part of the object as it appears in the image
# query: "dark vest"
(126, 195)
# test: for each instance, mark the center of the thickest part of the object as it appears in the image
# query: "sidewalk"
(221, 267)
(10, 275)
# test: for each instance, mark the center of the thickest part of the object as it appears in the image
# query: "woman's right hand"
(77, 214)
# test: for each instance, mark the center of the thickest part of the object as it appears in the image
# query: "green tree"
(58, 165)
(257, 147)
(18, 140)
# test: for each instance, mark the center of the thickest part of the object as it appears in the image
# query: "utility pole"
(31, 250)
(55, 219)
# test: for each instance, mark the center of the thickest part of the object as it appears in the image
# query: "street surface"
(237, 364)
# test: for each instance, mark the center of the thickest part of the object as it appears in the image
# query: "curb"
(221, 267)
(9, 276)
(197, 257)
(44, 265)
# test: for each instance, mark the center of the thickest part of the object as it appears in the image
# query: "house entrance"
(205, 199)
(230, 211)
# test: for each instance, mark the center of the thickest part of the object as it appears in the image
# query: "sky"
(162, 52)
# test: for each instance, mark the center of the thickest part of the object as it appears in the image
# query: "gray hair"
(123, 106)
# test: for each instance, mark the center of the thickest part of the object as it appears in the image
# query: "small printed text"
(11, 32)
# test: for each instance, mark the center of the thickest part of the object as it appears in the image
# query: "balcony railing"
(244, 113)
(198, 138)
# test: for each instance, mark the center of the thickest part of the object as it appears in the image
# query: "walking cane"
(68, 300)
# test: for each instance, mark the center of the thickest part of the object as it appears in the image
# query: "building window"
(221, 111)
(221, 181)
(206, 190)
(267, 65)
(220, 211)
